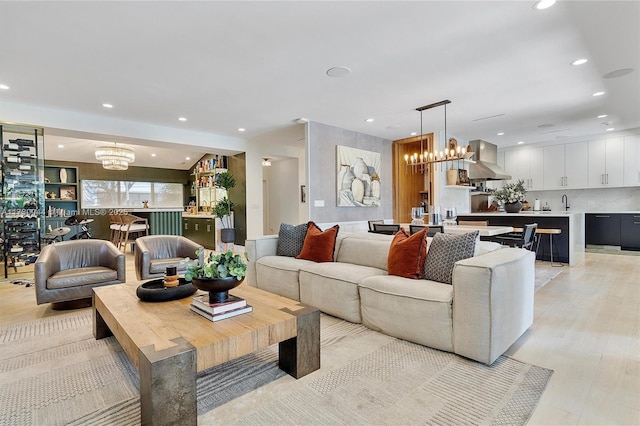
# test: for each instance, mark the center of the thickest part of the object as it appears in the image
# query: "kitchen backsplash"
(590, 200)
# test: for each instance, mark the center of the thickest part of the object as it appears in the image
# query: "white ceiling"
(261, 65)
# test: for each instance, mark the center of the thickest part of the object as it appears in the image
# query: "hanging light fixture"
(266, 162)
(424, 157)
(115, 157)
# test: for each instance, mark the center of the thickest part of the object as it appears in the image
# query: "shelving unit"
(204, 190)
(61, 198)
(22, 195)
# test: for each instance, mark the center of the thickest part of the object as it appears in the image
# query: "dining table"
(485, 231)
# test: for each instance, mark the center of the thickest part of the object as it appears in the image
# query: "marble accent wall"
(590, 200)
(322, 174)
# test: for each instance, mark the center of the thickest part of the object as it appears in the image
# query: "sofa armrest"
(111, 257)
(492, 302)
(255, 249)
(47, 264)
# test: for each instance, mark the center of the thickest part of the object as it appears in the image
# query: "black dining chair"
(371, 222)
(433, 229)
(386, 228)
(524, 239)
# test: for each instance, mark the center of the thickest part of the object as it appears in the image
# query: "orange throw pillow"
(407, 254)
(318, 244)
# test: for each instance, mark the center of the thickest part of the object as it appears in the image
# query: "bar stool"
(551, 232)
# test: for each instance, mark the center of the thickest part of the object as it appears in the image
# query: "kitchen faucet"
(565, 201)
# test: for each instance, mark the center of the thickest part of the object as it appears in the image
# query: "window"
(125, 194)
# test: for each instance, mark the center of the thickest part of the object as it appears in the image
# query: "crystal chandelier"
(115, 157)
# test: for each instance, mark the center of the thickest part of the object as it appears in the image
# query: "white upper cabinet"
(553, 160)
(631, 166)
(576, 158)
(525, 164)
(565, 166)
(605, 162)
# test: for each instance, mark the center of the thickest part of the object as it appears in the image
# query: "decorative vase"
(218, 288)
(360, 168)
(63, 175)
(345, 177)
(513, 207)
(357, 189)
(366, 180)
(375, 189)
(452, 176)
(228, 235)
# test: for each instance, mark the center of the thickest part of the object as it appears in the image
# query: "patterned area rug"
(545, 273)
(55, 373)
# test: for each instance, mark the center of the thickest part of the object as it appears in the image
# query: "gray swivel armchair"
(154, 253)
(69, 270)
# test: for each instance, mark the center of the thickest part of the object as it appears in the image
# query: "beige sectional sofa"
(486, 309)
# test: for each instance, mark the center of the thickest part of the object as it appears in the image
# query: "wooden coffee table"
(169, 344)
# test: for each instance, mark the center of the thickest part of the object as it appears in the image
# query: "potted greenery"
(218, 274)
(225, 206)
(511, 195)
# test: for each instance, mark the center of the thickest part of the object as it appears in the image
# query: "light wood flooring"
(586, 329)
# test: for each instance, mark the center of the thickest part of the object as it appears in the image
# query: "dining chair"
(371, 222)
(524, 239)
(433, 229)
(386, 228)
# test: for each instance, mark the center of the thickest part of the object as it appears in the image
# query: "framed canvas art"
(358, 181)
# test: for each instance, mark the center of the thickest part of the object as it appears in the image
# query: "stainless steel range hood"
(486, 158)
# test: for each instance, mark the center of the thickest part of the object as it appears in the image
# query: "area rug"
(53, 372)
(545, 273)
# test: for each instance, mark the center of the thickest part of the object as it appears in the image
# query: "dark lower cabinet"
(602, 229)
(200, 230)
(630, 231)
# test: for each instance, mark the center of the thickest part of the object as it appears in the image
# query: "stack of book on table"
(219, 310)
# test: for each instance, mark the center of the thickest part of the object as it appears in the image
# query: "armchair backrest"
(80, 253)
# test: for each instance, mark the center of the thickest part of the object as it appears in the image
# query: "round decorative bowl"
(155, 291)
(218, 288)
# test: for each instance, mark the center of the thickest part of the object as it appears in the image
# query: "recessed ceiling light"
(60, 146)
(241, 129)
(153, 154)
(543, 4)
(369, 120)
(338, 72)
(301, 120)
(4, 87)
(598, 94)
(107, 105)
(182, 118)
(603, 116)
(520, 142)
(580, 61)
(618, 73)
(500, 133)
(188, 158)
(414, 133)
(610, 129)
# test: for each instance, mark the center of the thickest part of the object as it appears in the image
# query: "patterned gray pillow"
(445, 250)
(291, 239)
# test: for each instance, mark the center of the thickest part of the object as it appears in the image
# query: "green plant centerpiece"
(511, 195)
(219, 273)
(225, 206)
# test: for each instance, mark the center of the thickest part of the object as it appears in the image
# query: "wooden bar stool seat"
(550, 232)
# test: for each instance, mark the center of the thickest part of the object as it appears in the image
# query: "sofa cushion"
(445, 250)
(333, 287)
(416, 310)
(81, 276)
(318, 244)
(159, 266)
(365, 252)
(280, 275)
(291, 239)
(407, 254)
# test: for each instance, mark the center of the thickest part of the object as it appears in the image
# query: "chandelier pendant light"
(115, 157)
(417, 161)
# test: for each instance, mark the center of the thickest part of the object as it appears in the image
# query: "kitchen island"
(570, 243)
